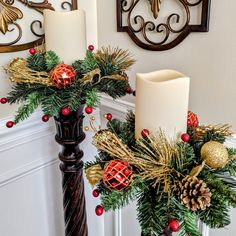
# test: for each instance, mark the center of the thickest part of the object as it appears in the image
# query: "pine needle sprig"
(112, 200)
(114, 57)
(37, 62)
(92, 98)
(27, 108)
(51, 60)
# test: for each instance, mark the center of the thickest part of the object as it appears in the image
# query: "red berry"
(96, 193)
(129, 90)
(99, 210)
(3, 100)
(9, 124)
(109, 116)
(88, 110)
(45, 118)
(32, 51)
(145, 133)
(91, 47)
(174, 225)
(185, 137)
(65, 111)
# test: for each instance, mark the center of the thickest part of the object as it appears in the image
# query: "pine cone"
(194, 193)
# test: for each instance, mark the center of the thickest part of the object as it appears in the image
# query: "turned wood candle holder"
(70, 134)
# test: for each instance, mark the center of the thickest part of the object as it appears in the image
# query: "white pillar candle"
(162, 102)
(65, 34)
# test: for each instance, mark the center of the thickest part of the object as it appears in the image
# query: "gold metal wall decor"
(11, 15)
(142, 21)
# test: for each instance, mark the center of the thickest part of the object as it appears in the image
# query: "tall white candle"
(162, 102)
(65, 34)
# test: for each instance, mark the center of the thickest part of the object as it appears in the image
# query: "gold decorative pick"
(196, 170)
(155, 7)
(20, 73)
(94, 174)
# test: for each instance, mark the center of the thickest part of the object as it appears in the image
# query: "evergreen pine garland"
(156, 206)
(52, 99)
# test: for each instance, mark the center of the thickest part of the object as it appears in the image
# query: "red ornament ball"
(99, 210)
(145, 133)
(88, 110)
(117, 175)
(109, 116)
(65, 111)
(96, 193)
(9, 124)
(91, 48)
(62, 75)
(185, 137)
(192, 120)
(32, 51)
(45, 118)
(3, 100)
(174, 225)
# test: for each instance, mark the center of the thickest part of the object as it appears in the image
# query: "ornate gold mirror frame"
(170, 30)
(11, 15)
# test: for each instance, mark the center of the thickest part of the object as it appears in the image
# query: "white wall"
(208, 58)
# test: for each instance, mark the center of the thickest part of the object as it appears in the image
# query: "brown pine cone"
(194, 193)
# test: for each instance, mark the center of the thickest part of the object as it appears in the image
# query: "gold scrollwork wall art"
(10, 20)
(152, 25)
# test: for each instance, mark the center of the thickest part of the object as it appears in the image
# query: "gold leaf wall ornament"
(8, 14)
(155, 7)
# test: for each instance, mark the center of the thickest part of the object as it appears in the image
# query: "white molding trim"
(25, 170)
(118, 222)
(26, 131)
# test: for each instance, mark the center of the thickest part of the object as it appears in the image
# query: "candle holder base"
(70, 134)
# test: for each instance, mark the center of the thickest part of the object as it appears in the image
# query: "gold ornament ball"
(215, 154)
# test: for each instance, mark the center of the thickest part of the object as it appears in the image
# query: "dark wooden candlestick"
(70, 134)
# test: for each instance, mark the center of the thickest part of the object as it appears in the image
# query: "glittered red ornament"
(9, 124)
(65, 111)
(109, 116)
(174, 225)
(3, 100)
(192, 119)
(185, 137)
(32, 51)
(88, 110)
(62, 75)
(91, 48)
(96, 193)
(45, 118)
(117, 175)
(145, 133)
(99, 210)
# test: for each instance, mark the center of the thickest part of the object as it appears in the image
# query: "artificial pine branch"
(217, 215)
(27, 108)
(37, 62)
(152, 213)
(51, 60)
(92, 98)
(113, 200)
(114, 88)
(89, 63)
